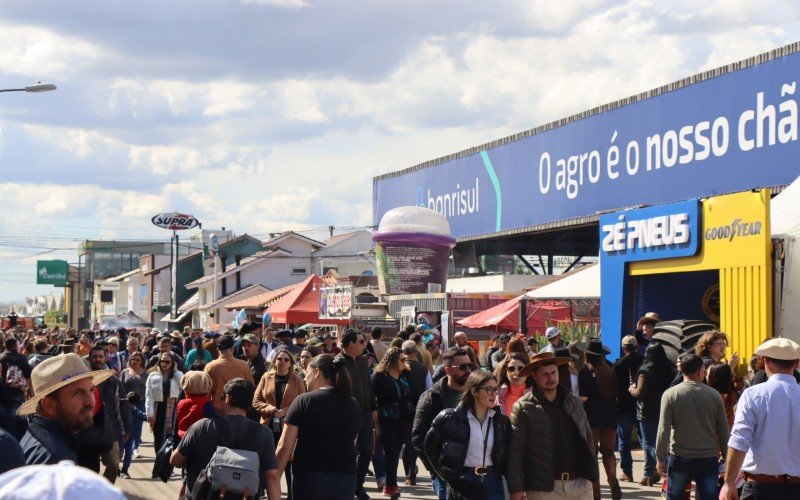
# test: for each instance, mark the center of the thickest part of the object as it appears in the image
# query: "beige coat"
(264, 398)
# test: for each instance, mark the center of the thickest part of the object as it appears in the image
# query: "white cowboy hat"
(779, 348)
(56, 372)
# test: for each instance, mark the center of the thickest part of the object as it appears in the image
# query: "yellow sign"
(736, 240)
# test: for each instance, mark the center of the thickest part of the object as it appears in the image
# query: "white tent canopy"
(785, 211)
(584, 284)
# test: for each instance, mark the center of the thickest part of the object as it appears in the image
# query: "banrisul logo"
(460, 201)
(463, 199)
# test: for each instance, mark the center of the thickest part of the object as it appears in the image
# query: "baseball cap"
(251, 338)
(551, 332)
(62, 480)
(629, 341)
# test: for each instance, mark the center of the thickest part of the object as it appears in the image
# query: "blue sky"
(269, 115)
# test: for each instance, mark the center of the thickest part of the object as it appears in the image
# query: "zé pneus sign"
(175, 221)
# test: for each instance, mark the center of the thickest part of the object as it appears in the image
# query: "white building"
(285, 260)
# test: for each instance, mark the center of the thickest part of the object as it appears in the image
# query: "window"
(299, 270)
(106, 296)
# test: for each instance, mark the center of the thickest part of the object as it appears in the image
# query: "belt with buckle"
(567, 476)
(479, 471)
(770, 478)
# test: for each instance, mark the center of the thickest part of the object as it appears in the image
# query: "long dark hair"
(606, 380)
(389, 359)
(501, 373)
(659, 366)
(475, 381)
(720, 377)
(333, 371)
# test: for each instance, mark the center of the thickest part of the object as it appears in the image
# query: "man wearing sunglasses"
(442, 395)
(357, 366)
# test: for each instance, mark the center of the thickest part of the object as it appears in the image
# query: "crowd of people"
(323, 414)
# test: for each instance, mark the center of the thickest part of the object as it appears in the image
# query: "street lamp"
(38, 87)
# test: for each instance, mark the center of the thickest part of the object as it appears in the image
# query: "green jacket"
(530, 460)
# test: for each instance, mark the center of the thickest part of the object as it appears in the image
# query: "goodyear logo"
(736, 229)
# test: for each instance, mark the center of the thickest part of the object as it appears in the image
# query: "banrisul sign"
(51, 272)
(175, 221)
(724, 131)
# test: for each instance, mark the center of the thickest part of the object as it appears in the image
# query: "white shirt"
(767, 427)
(477, 433)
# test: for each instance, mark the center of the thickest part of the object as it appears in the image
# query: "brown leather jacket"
(530, 456)
(264, 397)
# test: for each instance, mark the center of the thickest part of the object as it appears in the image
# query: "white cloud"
(275, 114)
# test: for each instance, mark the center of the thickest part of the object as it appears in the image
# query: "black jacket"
(46, 442)
(417, 375)
(258, 367)
(626, 368)
(430, 404)
(358, 369)
(446, 446)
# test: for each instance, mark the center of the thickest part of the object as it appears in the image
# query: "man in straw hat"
(645, 329)
(63, 405)
(765, 438)
(551, 455)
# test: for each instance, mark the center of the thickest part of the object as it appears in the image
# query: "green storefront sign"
(51, 272)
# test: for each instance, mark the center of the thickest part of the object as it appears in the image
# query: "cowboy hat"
(594, 346)
(650, 317)
(56, 372)
(779, 348)
(176, 335)
(541, 359)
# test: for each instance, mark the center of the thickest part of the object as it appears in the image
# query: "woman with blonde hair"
(276, 391)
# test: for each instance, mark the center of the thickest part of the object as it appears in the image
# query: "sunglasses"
(464, 366)
(164, 362)
(514, 369)
(284, 360)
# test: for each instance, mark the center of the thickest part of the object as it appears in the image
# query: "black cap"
(284, 334)
(301, 334)
(504, 338)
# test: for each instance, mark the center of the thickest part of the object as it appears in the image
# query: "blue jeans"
(439, 487)
(364, 449)
(625, 424)
(126, 449)
(648, 432)
(682, 471)
(379, 462)
(490, 484)
(323, 486)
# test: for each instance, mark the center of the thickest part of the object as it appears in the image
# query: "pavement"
(142, 487)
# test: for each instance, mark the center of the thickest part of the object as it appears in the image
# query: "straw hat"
(56, 372)
(541, 359)
(650, 317)
(196, 383)
(779, 348)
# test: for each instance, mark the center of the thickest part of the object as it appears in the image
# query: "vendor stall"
(706, 259)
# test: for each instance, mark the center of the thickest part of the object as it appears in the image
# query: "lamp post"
(38, 87)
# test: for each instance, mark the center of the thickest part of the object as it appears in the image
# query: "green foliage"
(570, 331)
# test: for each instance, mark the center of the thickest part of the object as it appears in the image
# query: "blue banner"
(734, 132)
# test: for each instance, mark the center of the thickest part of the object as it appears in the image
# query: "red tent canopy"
(301, 305)
(505, 316)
